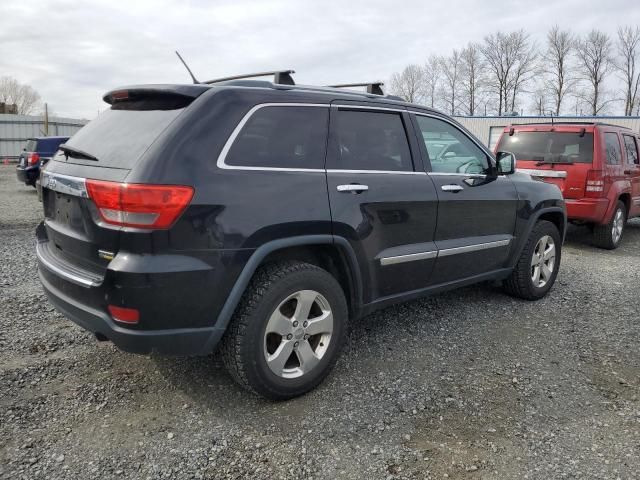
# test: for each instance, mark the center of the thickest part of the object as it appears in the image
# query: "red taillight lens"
(595, 184)
(33, 158)
(124, 315)
(139, 205)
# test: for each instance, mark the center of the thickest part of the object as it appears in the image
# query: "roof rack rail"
(280, 77)
(374, 88)
(569, 122)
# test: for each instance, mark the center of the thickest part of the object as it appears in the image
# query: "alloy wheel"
(298, 334)
(617, 226)
(543, 261)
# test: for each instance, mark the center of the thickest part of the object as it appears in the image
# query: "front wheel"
(608, 236)
(537, 267)
(288, 330)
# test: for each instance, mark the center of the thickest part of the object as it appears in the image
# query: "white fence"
(15, 130)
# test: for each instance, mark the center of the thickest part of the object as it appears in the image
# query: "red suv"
(596, 166)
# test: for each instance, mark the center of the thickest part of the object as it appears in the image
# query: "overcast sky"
(72, 51)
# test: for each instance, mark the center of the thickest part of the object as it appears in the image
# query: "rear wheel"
(608, 236)
(287, 332)
(537, 268)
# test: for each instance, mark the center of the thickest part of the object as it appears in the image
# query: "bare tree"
(526, 55)
(409, 84)
(471, 76)
(629, 53)
(594, 57)
(451, 67)
(511, 60)
(432, 70)
(23, 96)
(557, 66)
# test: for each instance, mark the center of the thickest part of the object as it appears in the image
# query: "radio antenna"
(188, 69)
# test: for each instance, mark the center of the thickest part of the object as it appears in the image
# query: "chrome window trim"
(65, 274)
(67, 184)
(470, 175)
(236, 131)
(386, 172)
(543, 173)
(443, 252)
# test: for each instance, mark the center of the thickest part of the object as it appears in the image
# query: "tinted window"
(551, 147)
(372, 141)
(31, 145)
(50, 144)
(450, 150)
(282, 137)
(117, 138)
(632, 149)
(612, 148)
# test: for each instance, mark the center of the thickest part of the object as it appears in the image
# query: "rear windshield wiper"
(551, 162)
(76, 153)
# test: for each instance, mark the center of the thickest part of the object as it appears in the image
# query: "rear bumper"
(27, 175)
(588, 210)
(180, 341)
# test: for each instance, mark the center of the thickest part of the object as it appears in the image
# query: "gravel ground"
(468, 384)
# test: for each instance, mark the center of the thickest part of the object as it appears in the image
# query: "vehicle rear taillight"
(139, 205)
(33, 158)
(124, 315)
(595, 184)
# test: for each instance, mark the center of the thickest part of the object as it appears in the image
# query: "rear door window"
(282, 137)
(549, 147)
(370, 140)
(613, 151)
(631, 148)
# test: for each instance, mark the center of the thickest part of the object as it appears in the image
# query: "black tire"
(243, 345)
(603, 235)
(520, 283)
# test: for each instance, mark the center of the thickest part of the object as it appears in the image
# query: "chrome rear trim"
(67, 184)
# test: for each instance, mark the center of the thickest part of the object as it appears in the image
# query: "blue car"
(36, 153)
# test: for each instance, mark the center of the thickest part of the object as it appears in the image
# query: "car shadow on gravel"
(581, 236)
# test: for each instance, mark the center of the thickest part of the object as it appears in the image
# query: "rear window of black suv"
(282, 137)
(119, 137)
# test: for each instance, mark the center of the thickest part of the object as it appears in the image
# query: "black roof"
(195, 90)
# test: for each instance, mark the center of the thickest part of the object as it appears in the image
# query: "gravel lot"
(468, 384)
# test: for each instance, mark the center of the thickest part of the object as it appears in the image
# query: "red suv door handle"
(627, 172)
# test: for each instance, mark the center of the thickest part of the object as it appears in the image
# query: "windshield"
(117, 138)
(551, 147)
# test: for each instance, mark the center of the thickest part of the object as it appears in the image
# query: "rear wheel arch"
(626, 199)
(300, 248)
(330, 257)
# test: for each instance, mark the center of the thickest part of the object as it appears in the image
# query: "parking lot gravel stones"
(467, 384)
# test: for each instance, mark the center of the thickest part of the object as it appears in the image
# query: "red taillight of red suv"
(139, 205)
(33, 158)
(595, 184)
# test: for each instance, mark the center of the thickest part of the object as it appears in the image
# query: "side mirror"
(505, 163)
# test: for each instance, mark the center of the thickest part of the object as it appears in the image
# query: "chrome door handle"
(452, 188)
(353, 188)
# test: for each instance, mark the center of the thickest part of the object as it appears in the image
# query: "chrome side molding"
(445, 252)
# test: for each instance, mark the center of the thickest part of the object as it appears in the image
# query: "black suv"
(263, 216)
